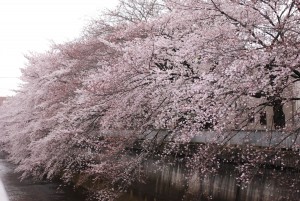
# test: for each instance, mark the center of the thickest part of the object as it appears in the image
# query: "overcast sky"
(32, 25)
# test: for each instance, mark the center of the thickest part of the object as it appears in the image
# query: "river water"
(167, 184)
(11, 189)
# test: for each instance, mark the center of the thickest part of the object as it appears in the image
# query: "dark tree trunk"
(279, 116)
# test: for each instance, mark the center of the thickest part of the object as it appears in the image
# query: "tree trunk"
(279, 116)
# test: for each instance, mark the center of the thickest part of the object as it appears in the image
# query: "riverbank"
(276, 177)
(172, 182)
(269, 178)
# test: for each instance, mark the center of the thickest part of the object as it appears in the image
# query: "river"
(12, 189)
(168, 184)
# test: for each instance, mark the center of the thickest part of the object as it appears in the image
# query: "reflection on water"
(170, 183)
(167, 184)
(11, 189)
(3, 195)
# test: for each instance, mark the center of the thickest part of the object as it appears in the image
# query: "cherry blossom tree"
(95, 106)
(127, 12)
(205, 68)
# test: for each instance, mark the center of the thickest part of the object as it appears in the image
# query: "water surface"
(12, 189)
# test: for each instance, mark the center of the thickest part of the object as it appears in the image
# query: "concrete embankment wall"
(172, 183)
(281, 151)
(264, 182)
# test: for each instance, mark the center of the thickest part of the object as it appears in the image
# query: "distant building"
(264, 119)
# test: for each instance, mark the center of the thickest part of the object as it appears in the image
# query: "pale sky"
(32, 25)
